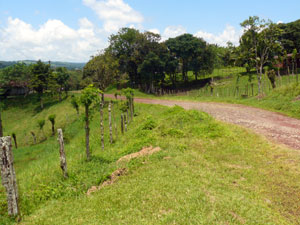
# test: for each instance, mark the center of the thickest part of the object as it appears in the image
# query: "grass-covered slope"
(207, 172)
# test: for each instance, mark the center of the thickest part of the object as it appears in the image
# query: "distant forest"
(68, 65)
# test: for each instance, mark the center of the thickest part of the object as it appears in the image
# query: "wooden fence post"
(101, 123)
(125, 122)
(8, 175)
(63, 160)
(110, 123)
(122, 124)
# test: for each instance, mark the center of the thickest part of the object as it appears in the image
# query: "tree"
(1, 127)
(41, 124)
(264, 42)
(287, 64)
(41, 76)
(152, 71)
(122, 46)
(130, 48)
(17, 75)
(290, 36)
(102, 70)
(75, 104)
(89, 96)
(171, 67)
(294, 63)
(61, 77)
(203, 60)
(51, 118)
(190, 51)
(245, 57)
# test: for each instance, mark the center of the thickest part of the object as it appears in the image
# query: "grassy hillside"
(207, 172)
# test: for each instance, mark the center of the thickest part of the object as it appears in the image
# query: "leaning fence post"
(8, 175)
(63, 160)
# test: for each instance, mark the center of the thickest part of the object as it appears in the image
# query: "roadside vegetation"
(206, 172)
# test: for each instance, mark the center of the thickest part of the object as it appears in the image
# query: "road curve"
(277, 127)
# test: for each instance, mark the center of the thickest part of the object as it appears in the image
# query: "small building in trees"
(14, 89)
(284, 64)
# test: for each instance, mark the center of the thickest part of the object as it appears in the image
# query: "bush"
(52, 118)
(41, 123)
(149, 124)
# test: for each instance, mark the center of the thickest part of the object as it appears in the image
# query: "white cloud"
(173, 31)
(229, 34)
(53, 40)
(154, 30)
(114, 13)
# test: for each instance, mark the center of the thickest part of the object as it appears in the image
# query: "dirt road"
(277, 127)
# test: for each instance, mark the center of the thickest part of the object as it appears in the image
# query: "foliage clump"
(149, 124)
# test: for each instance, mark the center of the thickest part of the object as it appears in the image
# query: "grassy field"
(207, 172)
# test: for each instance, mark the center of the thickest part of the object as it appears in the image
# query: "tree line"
(39, 77)
(148, 63)
(142, 60)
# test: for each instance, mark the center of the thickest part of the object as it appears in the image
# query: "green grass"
(282, 99)
(207, 172)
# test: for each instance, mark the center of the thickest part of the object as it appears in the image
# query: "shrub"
(41, 123)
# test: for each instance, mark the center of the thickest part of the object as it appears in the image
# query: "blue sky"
(73, 30)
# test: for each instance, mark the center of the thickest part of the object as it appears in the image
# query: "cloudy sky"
(73, 30)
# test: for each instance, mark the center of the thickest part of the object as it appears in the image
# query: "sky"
(75, 30)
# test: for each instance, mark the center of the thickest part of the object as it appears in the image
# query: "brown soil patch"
(113, 178)
(297, 98)
(238, 218)
(232, 166)
(145, 151)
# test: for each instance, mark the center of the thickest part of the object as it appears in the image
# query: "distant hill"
(54, 64)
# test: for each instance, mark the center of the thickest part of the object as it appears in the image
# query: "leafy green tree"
(89, 96)
(123, 46)
(203, 60)
(264, 42)
(290, 36)
(190, 51)
(75, 103)
(152, 71)
(61, 77)
(171, 67)
(74, 79)
(287, 64)
(17, 75)
(131, 47)
(294, 61)
(40, 78)
(41, 123)
(102, 70)
(51, 118)
(244, 57)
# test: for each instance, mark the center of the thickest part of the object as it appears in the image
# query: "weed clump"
(149, 124)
